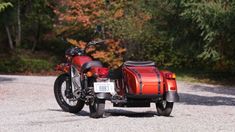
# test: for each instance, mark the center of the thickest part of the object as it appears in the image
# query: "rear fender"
(101, 72)
(170, 87)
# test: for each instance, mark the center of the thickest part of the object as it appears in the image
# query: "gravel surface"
(27, 103)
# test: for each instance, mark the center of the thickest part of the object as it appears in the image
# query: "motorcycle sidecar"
(141, 83)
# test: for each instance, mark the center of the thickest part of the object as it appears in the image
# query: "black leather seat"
(139, 63)
(88, 65)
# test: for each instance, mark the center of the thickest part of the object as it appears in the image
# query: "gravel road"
(27, 103)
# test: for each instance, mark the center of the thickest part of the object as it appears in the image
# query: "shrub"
(20, 65)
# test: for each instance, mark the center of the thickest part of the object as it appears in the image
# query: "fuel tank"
(143, 80)
(78, 61)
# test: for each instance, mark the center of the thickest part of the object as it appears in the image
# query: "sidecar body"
(141, 83)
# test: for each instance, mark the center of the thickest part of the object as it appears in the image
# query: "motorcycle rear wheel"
(97, 108)
(164, 108)
(63, 101)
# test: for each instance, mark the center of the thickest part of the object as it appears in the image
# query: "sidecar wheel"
(97, 108)
(164, 108)
(67, 104)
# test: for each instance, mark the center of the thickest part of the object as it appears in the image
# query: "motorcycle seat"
(88, 65)
(139, 63)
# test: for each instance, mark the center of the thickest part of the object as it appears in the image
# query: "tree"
(78, 19)
(27, 22)
(18, 38)
(74, 16)
(215, 22)
(5, 5)
(10, 17)
(38, 21)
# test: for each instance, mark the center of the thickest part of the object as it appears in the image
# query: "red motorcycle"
(134, 84)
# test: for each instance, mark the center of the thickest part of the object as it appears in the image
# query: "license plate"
(104, 87)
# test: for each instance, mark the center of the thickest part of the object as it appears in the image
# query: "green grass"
(205, 76)
(24, 61)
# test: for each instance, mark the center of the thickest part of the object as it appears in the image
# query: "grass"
(205, 76)
(25, 61)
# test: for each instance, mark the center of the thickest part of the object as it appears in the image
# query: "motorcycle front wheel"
(68, 104)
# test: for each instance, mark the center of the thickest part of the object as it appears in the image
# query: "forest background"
(194, 38)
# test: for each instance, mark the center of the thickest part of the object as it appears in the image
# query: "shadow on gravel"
(215, 89)
(81, 113)
(116, 112)
(191, 99)
(119, 112)
(6, 79)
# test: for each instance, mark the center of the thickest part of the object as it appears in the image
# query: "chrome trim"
(75, 81)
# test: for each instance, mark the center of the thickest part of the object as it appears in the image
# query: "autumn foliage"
(180, 34)
(111, 52)
(79, 15)
(76, 15)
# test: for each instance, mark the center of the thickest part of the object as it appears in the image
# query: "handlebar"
(92, 43)
(95, 42)
(83, 50)
(87, 45)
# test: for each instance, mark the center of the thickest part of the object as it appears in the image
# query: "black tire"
(164, 108)
(97, 108)
(61, 100)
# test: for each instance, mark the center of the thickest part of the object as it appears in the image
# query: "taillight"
(170, 75)
(103, 72)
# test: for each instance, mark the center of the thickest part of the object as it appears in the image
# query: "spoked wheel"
(66, 100)
(164, 108)
(97, 108)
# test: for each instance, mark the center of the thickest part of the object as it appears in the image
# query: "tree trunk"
(9, 37)
(37, 38)
(18, 38)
